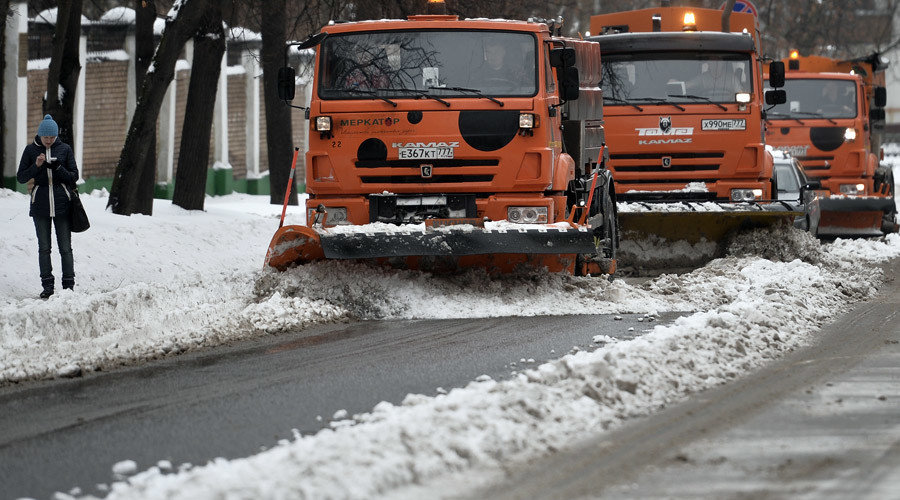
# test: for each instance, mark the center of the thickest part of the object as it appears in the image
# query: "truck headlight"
(742, 97)
(746, 194)
(527, 120)
(853, 189)
(323, 124)
(336, 215)
(527, 215)
(850, 134)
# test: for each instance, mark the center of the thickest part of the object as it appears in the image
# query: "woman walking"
(51, 164)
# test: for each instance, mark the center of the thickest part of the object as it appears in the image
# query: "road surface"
(231, 401)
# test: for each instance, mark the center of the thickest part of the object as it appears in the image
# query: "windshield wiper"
(421, 93)
(707, 99)
(463, 89)
(624, 101)
(817, 115)
(789, 117)
(657, 101)
(368, 92)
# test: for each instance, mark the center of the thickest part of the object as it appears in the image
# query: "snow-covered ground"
(155, 286)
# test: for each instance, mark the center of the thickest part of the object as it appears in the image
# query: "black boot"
(48, 288)
(68, 284)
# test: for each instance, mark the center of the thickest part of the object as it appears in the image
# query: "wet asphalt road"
(233, 401)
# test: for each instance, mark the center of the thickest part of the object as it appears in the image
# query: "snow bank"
(145, 286)
(750, 311)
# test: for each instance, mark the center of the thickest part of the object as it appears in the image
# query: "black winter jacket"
(62, 172)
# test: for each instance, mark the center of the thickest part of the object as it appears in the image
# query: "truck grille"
(816, 162)
(435, 163)
(666, 196)
(653, 162)
(418, 179)
(667, 180)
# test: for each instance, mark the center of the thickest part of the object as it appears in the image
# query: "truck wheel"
(610, 226)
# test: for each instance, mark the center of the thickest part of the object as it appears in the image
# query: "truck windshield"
(676, 77)
(403, 64)
(817, 98)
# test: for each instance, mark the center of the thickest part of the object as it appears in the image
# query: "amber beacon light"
(690, 22)
(436, 7)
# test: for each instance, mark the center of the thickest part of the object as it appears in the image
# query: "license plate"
(735, 124)
(425, 153)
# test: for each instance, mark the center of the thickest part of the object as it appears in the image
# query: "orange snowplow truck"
(683, 106)
(437, 143)
(832, 123)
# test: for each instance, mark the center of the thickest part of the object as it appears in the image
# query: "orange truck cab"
(444, 122)
(683, 105)
(832, 123)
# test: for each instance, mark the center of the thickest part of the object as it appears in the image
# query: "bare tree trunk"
(129, 193)
(209, 47)
(727, 9)
(144, 44)
(4, 11)
(279, 144)
(65, 68)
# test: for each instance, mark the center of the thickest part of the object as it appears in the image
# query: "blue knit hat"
(48, 127)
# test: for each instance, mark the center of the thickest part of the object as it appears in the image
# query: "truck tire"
(610, 226)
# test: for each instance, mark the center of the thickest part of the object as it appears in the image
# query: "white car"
(796, 190)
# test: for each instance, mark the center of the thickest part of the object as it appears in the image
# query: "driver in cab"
(833, 101)
(715, 77)
(498, 70)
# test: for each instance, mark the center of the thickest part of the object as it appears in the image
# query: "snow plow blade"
(444, 250)
(856, 217)
(683, 235)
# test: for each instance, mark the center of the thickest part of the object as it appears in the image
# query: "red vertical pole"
(287, 192)
(593, 186)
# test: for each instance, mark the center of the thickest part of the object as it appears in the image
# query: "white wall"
(892, 77)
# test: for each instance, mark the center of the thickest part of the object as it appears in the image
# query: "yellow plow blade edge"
(675, 240)
(695, 227)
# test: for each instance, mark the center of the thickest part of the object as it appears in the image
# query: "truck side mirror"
(876, 115)
(286, 83)
(880, 100)
(774, 97)
(312, 40)
(776, 74)
(568, 83)
(563, 57)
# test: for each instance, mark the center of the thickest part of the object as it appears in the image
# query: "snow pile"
(676, 206)
(654, 252)
(119, 15)
(690, 187)
(376, 293)
(757, 310)
(145, 286)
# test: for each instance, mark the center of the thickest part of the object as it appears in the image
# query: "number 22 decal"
(335, 144)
